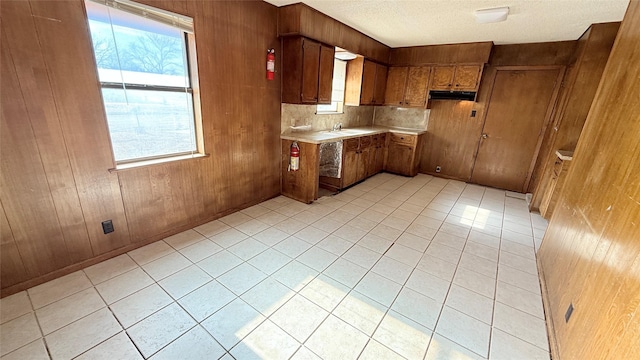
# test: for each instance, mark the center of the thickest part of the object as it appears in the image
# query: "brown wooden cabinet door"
(371, 161)
(467, 77)
(363, 161)
(325, 75)
(350, 163)
(380, 85)
(368, 83)
(396, 84)
(310, 68)
(399, 158)
(442, 77)
(417, 83)
(381, 148)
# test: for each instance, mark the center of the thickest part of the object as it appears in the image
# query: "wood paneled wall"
(590, 255)
(441, 54)
(301, 19)
(546, 53)
(578, 91)
(55, 185)
(456, 150)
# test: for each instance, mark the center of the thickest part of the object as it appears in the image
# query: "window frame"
(192, 88)
(338, 109)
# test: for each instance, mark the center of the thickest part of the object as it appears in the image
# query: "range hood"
(452, 95)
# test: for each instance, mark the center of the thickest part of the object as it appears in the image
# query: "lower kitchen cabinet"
(362, 157)
(403, 154)
(376, 154)
(356, 160)
(301, 185)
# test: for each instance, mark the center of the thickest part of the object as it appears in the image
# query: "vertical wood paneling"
(590, 255)
(12, 269)
(24, 190)
(55, 67)
(23, 42)
(452, 139)
(579, 88)
(66, 47)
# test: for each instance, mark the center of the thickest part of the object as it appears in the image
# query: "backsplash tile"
(300, 115)
(401, 117)
(353, 116)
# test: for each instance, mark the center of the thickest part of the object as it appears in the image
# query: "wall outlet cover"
(567, 315)
(107, 226)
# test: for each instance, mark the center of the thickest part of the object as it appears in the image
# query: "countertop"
(318, 137)
(564, 155)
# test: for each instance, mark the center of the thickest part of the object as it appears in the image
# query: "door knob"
(484, 136)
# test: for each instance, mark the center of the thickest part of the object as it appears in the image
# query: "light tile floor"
(393, 268)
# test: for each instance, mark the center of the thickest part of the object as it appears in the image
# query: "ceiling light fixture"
(485, 16)
(345, 55)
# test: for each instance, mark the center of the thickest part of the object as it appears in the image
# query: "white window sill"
(138, 164)
(329, 113)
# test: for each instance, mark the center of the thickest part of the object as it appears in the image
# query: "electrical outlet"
(473, 113)
(567, 315)
(438, 169)
(107, 226)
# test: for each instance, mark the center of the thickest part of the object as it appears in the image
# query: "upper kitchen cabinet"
(407, 86)
(366, 82)
(456, 77)
(307, 71)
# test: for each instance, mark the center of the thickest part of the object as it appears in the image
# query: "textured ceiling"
(399, 23)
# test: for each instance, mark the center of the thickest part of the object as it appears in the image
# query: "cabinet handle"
(448, 84)
(457, 84)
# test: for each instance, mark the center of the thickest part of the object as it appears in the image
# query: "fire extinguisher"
(271, 63)
(294, 157)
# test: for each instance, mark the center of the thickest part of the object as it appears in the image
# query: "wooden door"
(368, 83)
(519, 109)
(325, 75)
(442, 77)
(380, 85)
(467, 77)
(416, 93)
(310, 68)
(396, 83)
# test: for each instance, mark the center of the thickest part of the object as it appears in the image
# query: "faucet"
(337, 127)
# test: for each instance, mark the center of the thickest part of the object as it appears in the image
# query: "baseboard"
(553, 343)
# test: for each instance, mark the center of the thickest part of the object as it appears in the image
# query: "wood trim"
(195, 92)
(546, 307)
(547, 121)
(492, 81)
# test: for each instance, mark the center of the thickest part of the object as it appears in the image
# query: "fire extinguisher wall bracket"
(271, 64)
(294, 157)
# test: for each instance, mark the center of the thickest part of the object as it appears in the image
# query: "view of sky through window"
(143, 69)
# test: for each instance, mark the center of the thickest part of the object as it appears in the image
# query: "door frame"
(547, 117)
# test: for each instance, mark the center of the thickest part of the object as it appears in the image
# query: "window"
(143, 56)
(337, 92)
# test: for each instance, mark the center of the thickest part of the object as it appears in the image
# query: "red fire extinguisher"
(294, 157)
(271, 63)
